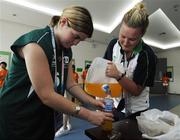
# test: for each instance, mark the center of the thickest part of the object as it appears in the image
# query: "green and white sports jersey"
(22, 114)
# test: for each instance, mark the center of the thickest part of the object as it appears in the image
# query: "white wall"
(173, 59)
(87, 51)
(10, 31)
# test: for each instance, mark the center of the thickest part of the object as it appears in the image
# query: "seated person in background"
(3, 73)
(138, 60)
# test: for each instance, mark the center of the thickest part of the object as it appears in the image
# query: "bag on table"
(159, 125)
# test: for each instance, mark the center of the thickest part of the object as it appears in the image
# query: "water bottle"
(107, 126)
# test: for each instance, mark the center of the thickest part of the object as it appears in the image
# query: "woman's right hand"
(99, 117)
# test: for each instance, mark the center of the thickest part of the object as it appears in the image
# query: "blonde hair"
(137, 17)
(79, 19)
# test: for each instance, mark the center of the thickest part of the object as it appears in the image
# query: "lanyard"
(62, 74)
(55, 65)
(125, 62)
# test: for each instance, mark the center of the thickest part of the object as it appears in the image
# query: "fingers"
(110, 63)
(101, 104)
(111, 67)
(98, 118)
(109, 116)
(111, 70)
(108, 119)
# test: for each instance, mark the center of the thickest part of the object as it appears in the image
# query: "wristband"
(72, 87)
(123, 74)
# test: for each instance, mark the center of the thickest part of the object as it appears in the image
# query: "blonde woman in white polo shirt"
(137, 58)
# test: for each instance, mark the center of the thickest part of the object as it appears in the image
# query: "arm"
(131, 86)
(128, 84)
(34, 56)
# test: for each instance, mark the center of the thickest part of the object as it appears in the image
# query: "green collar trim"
(138, 48)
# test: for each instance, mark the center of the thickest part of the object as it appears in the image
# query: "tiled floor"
(77, 132)
(164, 102)
(176, 110)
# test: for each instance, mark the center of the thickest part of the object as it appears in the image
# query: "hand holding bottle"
(109, 104)
(99, 117)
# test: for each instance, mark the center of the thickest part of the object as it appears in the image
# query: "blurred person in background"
(84, 73)
(3, 73)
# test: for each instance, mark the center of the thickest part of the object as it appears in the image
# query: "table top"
(125, 130)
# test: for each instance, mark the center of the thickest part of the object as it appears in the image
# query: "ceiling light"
(174, 28)
(35, 7)
(100, 27)
(161, 15)
(161, 45)
(119, 18)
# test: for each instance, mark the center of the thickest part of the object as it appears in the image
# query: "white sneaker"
(62, 131)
